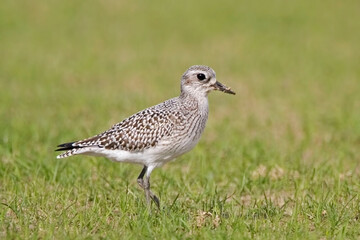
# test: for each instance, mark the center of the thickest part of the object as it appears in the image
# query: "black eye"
(201, 76)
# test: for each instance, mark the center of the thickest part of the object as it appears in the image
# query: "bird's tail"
(70, 148)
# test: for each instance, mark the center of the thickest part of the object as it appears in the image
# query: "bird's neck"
(194, 101)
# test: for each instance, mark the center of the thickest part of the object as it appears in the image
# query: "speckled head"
(200, 79)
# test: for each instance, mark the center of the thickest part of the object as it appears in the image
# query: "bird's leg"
(145, 184)
(149, 194)
(140, 178)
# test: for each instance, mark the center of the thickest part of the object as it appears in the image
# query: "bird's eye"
(201, 76)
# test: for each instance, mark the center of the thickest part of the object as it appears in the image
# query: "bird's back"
(173, 126)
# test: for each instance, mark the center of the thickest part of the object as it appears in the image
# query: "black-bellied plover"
(158, 134)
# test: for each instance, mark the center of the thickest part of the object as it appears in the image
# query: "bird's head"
(199, 79)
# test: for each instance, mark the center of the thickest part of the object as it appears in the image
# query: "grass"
(278, 160)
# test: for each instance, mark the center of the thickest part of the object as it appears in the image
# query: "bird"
(158, 134)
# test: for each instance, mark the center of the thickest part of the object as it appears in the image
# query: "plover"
(158, 134)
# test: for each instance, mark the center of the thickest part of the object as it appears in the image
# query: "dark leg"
(149, 194)
(145, 184)
(140, 178)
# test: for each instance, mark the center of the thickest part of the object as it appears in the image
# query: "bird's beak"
(219, 86)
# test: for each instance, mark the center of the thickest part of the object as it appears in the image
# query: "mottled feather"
(136, 133)
(170, 128)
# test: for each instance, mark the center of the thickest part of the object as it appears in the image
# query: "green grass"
(278, 160)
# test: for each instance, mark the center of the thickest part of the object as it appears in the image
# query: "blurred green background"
(70, 69)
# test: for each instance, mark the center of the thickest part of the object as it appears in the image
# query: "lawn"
(278, 160)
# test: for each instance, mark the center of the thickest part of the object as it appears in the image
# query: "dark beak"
(219, 86)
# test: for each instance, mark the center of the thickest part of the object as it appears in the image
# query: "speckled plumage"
(159, 133)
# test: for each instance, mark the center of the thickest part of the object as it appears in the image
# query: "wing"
(139, 132)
